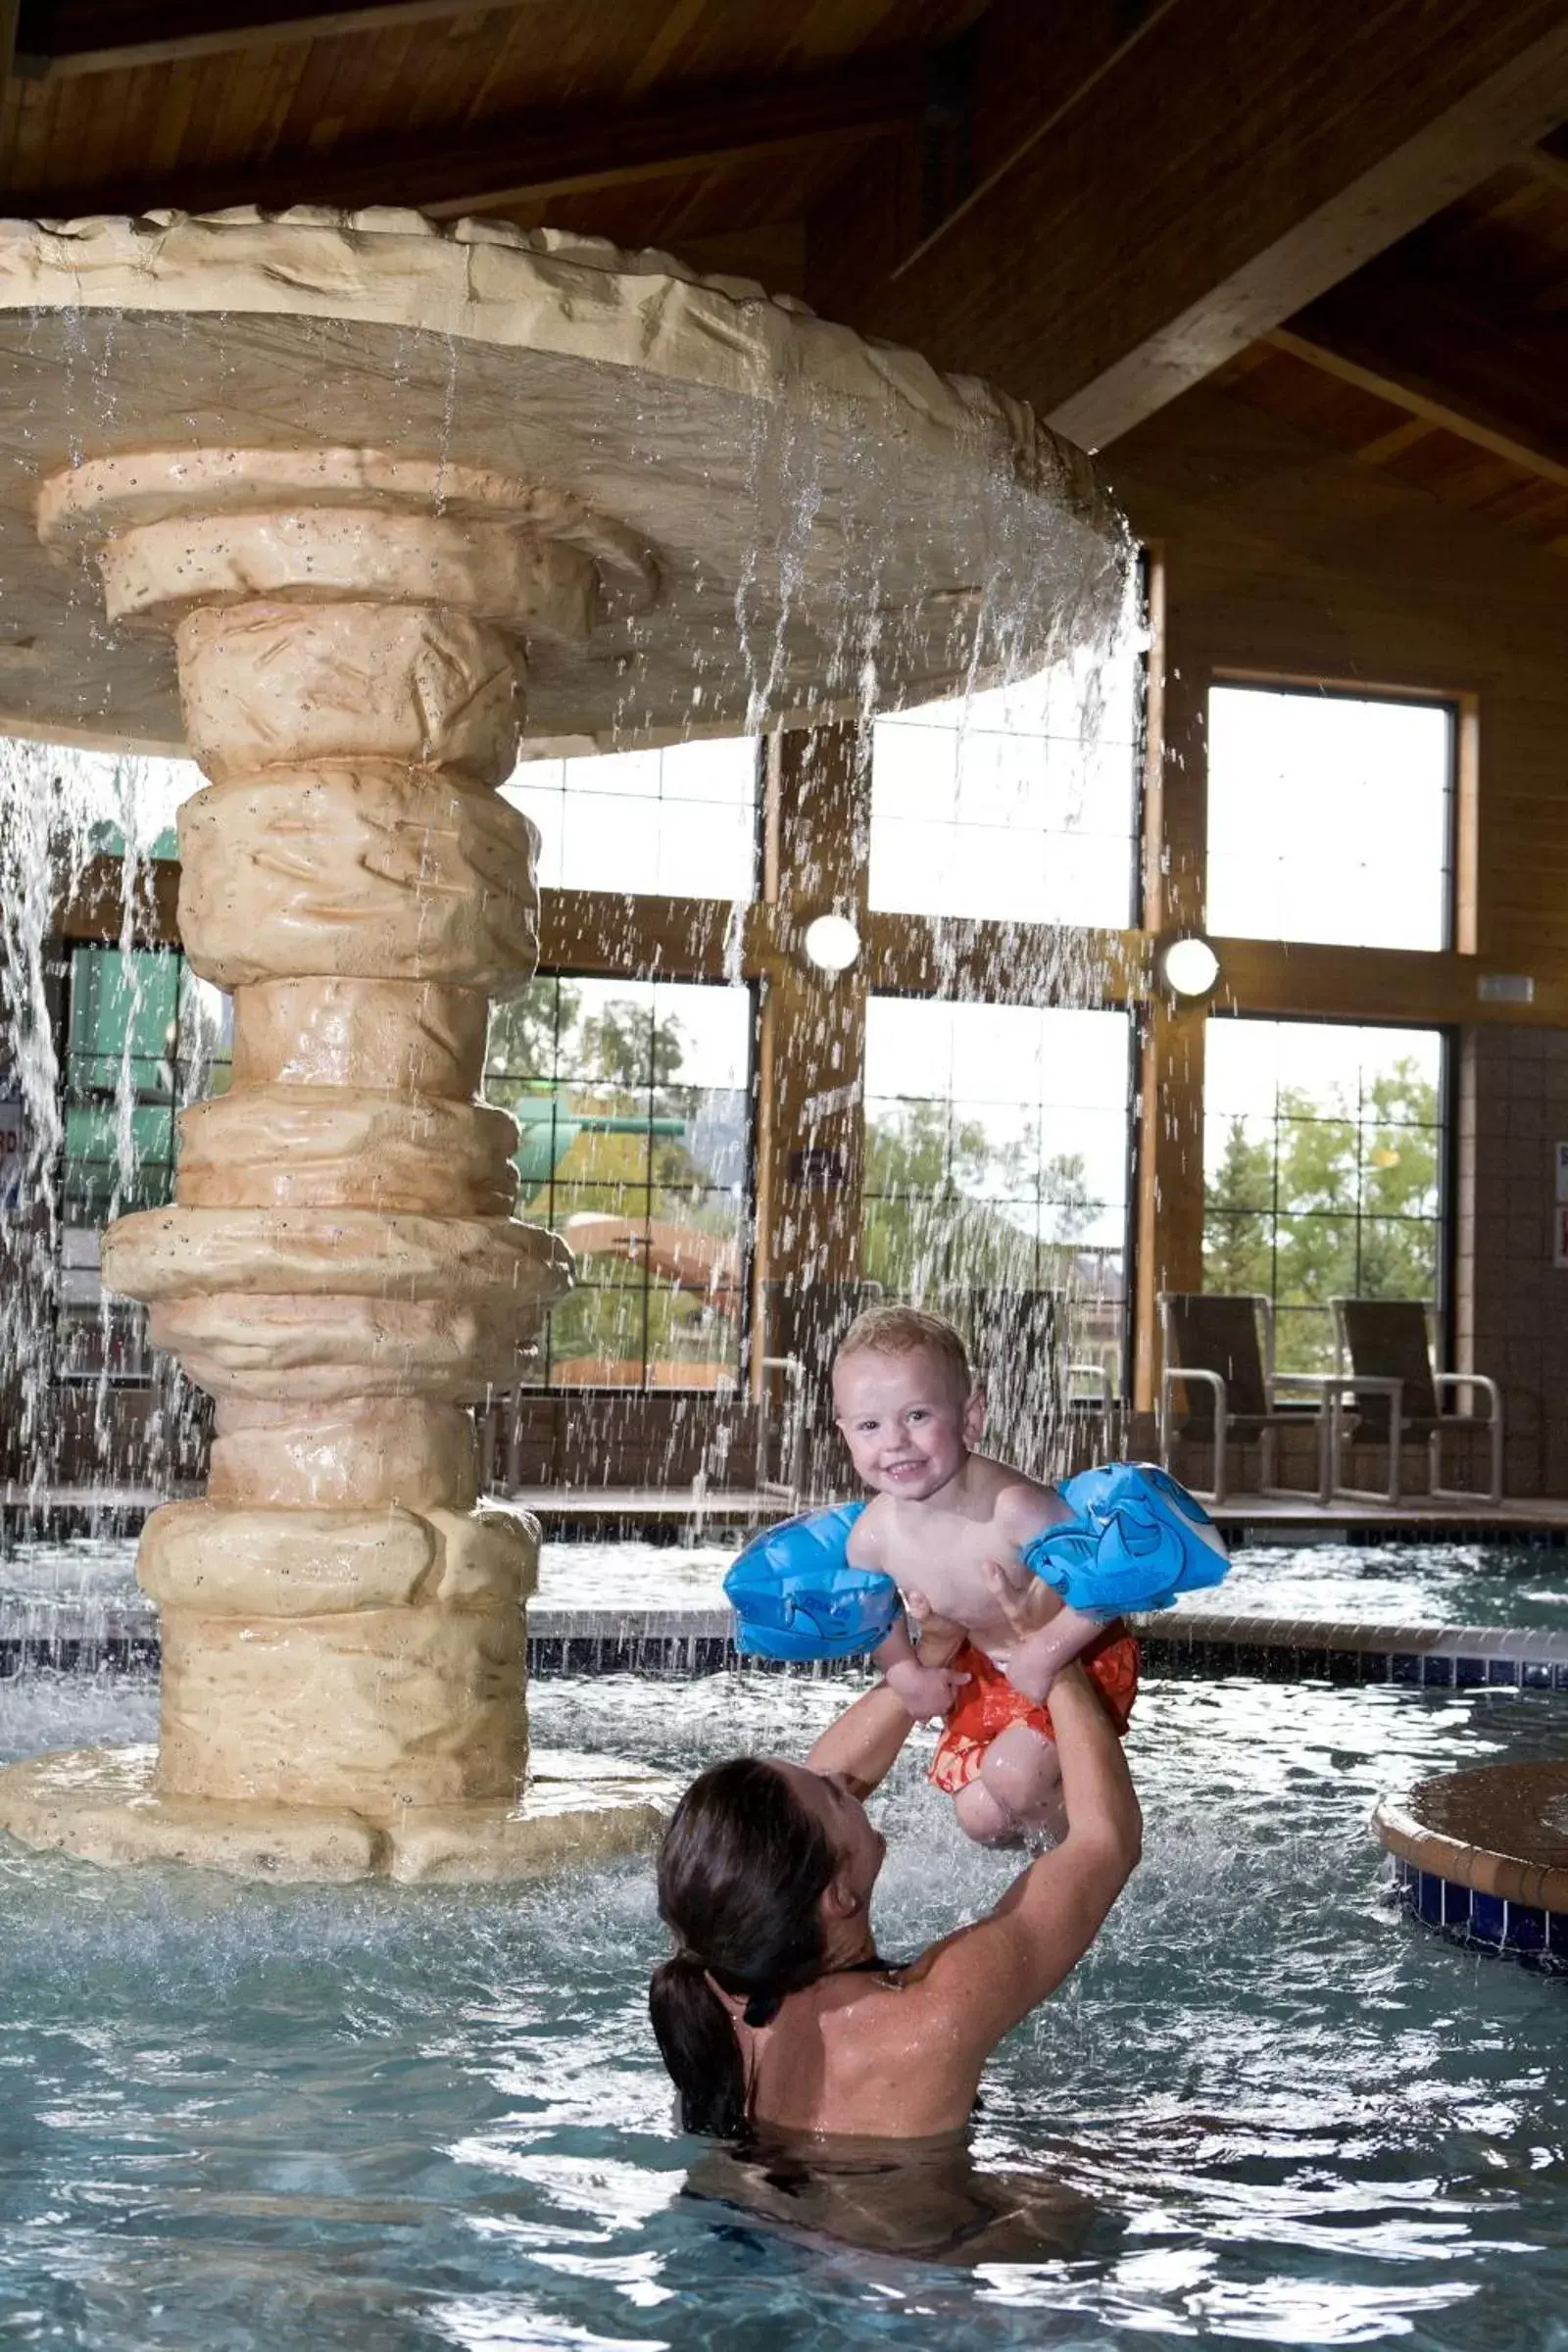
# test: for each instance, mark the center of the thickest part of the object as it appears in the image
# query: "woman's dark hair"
(741, 1873)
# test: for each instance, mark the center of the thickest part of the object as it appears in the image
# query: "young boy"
(950, 1526)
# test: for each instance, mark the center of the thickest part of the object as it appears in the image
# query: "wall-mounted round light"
(831, 942)
(1189, 966)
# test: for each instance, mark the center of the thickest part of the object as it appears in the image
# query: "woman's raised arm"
(975, 1986)
(862, 1743)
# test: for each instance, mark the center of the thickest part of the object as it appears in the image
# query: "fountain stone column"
(343, 1631)
(362, 465)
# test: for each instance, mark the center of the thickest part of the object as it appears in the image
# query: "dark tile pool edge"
(1494, 1924)
(678, 1643)
(1336, 1650)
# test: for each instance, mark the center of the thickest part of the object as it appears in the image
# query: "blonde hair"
(906, 1331)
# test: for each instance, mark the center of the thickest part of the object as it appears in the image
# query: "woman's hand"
(926, 1691)
(1033, 1663)
(1042, 1652)
(938, 1640)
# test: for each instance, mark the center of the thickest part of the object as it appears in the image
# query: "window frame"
(1446, 1257)
(1130, 910)
(1129, 1014)
(645, 1388)
(1459, 828)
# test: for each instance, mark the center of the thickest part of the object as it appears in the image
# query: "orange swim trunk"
(987, 1704)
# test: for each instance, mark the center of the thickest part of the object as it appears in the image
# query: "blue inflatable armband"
(1136, 1540)
(795, 1595)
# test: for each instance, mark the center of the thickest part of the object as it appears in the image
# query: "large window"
(1331, 818)
(1015, 805)
(145, 1036)
(681, 823)
(997, 1161)
(1323, 1171)
(632, 1103)
(632, 1098)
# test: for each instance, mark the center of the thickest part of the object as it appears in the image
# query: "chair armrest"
(1379, 1384)
(1472, 1380)
(1209, 1380)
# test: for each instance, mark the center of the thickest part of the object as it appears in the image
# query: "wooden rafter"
(540, 155)
(1423, 407)
(64, 38)
(1549, 161)
(1448, 355)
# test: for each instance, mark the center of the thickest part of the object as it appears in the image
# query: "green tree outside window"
(1331, 1198)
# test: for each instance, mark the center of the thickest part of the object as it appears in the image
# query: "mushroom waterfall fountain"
(358, 510)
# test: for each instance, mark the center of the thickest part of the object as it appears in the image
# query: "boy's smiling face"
(906, 1424)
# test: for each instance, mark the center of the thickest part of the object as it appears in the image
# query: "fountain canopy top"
(739, 515)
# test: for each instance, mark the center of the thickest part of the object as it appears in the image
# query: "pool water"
(1274, 2111)
(1384, 1584)
(1401, 1584)
(47, 1588)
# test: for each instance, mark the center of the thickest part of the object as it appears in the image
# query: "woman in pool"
(775, 2014)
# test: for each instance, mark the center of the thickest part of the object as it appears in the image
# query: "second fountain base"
(103, 1805)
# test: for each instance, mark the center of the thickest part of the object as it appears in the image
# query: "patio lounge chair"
(1391, 1392)
(1212, 1351)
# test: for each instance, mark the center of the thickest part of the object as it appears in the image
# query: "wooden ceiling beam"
(62, 39)
(537, 156)
(1209, 178)
(1449, 354)
(606, 933)
(1549, 161)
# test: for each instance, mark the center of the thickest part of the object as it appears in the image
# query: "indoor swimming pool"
(1267, 2109)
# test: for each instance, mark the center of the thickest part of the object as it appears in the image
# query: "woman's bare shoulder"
(882, 2067)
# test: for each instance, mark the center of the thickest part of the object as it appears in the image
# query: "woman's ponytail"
(741, 1874)
(697, 2043)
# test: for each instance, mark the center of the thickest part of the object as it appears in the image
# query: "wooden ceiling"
(1445, 362)
(1352, 213)
(670, 121)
